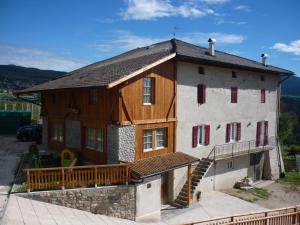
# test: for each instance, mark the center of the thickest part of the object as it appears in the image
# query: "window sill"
(92, 149)
(147, 104)
(148, 150)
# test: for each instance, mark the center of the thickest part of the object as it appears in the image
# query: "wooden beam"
(172, 103)
(125, 107)
(189, 174)
(151, 121)
(137, 72)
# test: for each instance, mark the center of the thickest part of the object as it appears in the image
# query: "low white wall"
(148, 200)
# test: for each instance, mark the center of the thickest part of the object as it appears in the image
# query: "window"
(155, 139)
(201, 70)
(147, 140)
(201, 93)
(233, 74)
(262, 77)
(234, 94)
(94, 139)
(93, 96)
(201, 135)
(230, 164)
(148, 90)
(160, 137)
(262, 133)
(233, 132)
(263, 96)
(57, 132)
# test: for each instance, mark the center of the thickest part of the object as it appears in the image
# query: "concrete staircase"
(199, 172)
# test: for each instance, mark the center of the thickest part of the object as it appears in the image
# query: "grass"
(291, 178)
(251, 195)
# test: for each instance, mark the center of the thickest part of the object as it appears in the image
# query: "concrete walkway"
(10, 151)
(21, 211)
(214, 204)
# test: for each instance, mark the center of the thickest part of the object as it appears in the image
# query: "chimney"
(212, 42)
(264, 57)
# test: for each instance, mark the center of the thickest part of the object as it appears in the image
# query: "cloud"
(154, 9)
(125, 40)
(32, 57)
(215, 1)
(221, 21)
(293, 47)
(244, 8)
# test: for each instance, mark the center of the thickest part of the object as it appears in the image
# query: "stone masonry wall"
(117, 201)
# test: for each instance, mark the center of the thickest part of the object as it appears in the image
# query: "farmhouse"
(187, 119)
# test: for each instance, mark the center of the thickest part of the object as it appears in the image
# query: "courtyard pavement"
(211, 205)
(10, 151)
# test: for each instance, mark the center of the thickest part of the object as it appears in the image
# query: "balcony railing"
(240, 148)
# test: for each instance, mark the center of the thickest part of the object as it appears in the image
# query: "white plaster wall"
(218, 109)
(148, 200)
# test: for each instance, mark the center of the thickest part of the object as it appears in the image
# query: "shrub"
(294, 150)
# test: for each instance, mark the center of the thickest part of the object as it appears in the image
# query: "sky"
(68, 34)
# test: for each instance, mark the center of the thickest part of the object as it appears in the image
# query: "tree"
(287, 123)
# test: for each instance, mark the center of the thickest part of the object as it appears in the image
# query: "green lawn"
(292, 178)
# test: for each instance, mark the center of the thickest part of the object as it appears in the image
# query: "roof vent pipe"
(212, 42)
(264, 57)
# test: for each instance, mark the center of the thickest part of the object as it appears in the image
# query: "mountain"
(17, 77)
(291, 86)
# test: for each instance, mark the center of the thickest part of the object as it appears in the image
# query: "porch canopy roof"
(160, 164)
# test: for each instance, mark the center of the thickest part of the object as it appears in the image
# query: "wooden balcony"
(77, 176)
(235, 149)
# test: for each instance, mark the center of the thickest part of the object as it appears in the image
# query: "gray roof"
(104, 72)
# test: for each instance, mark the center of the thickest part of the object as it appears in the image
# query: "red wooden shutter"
(207, 135)
(233, 95)
(258, 133)
(228, 132)
(239, 131)
(263, 96)
(201, 93)
(195, 136)
(266, 133)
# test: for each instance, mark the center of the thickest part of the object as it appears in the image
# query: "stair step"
(179, 206)
(207, 160)
(181, 202)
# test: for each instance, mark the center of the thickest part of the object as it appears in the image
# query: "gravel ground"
(10, 151)
(281, 195)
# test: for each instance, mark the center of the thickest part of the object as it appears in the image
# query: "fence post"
(266, 219)
(95, 177)
(232, 149)
(62, 179)
(28, 181)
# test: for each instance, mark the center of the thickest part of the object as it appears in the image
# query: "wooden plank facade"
(120, 105)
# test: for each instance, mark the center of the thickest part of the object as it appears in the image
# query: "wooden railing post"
(62, 178)
(95, 177)
(28, 181)
(189, 189)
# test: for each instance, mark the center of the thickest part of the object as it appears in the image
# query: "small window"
(263, 96)
(148, 90)
(94, 139)
(234, 94)
(160, 137)
(57, 132)
(93, 96)
(147, 140)
(233, 74)
(262, 77)
(201, 70)
(230, 164)
(201, 93)
(201, 134)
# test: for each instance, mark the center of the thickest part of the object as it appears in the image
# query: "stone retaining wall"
(117, 201)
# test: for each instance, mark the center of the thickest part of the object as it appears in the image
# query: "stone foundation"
(117, 201)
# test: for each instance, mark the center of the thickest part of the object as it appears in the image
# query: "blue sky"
(65, 35)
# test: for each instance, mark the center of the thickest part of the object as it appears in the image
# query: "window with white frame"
(148, 90)
(201, 135)
(160, 137)
(234, 132)
(147, 136)
(94, 139)
(57, 132)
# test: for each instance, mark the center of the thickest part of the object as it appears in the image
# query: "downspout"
(279, 155)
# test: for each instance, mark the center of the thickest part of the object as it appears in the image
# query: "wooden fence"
(77, 176)
(284, 216)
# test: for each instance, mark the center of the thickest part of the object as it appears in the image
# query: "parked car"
(30, 133)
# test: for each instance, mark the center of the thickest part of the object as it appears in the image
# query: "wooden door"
(164, 188)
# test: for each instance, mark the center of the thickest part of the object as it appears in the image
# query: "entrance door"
(256, 165)
(164, 188)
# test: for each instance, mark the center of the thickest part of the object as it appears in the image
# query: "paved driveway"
(10, 152)
(214, 204)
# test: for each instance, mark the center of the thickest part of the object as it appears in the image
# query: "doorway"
(256, 166)
(164, 188)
